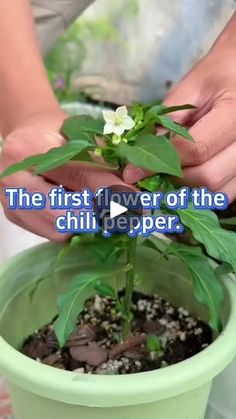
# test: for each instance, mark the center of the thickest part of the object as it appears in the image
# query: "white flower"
(117, 122)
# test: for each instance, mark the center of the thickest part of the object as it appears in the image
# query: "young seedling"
(153, 343)
(131, 137)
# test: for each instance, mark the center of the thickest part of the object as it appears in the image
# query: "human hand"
(30, 119)
(211, 87)
(34, 136)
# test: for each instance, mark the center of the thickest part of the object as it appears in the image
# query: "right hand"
(209, 161)
(34, 136)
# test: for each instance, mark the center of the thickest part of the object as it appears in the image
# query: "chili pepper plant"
(134, 136)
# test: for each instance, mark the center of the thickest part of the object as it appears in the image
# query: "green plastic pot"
(39, 391)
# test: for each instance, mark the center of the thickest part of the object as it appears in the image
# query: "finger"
(75, 179)
(230, 189)
(187, 91)
(215, 173)
(132, 174)
(43, 141)
(40, 222)
(77, 166)
(13, 218)
(212, 133)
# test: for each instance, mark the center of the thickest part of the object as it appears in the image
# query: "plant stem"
(129, 286)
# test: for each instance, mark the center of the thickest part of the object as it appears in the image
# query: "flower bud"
(98, 152)
(116, 139)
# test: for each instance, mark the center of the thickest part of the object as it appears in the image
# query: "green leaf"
(71, 304)
(162, 109)
(84, 156)
(155, 243)
(228, 221)
(206, 291)
(223, 269)
(152, 183)
(137, 112)
(110, 156)
(107, 251)
(207, 288)
(104, 289)
(156, 183)
(143, 128)
(152, 153)
(170, 109)
(57, 157)
(24, 165)
(185, 250)
(36, 284)
(81, 127)
(153, 343)
(75, 240)
(173, 127)
(53, 158)
(63, 253)
(102, 250)
(219, 243)
(150, 104)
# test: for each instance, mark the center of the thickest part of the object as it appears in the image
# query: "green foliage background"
(66, 59)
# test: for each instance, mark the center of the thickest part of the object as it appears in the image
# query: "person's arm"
(24, 86)
(30, 120)
(211, 86)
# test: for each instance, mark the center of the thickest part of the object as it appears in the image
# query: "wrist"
(23, 103)
(26, 114)
(25, 89)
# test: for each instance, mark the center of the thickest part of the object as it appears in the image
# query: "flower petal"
(109, 116)
(108, 128)
(128, 122)
(118, 129)
(122, 112)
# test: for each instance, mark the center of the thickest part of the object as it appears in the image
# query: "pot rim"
(121, 390)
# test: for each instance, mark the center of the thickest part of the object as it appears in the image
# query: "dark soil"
(96, 347)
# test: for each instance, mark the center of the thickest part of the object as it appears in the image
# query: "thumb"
(186, 92)
(75, 177)
(212, 133)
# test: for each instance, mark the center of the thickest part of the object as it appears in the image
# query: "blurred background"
(121, 51)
